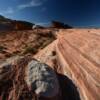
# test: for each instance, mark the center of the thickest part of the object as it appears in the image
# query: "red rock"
(8, 24)
(78, 58)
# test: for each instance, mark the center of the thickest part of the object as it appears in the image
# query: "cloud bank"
(32, 3)
(9, 10)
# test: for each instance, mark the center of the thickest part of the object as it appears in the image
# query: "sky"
(77, 13)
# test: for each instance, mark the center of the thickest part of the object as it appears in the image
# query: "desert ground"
(74, 54)
(77, 57)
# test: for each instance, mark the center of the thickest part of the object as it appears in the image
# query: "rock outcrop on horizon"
(72, 54)
(60, 25)
(9, 25)
(22, 25)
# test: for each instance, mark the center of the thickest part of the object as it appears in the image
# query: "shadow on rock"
(68, 88)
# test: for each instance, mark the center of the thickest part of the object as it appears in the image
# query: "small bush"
(16, 52)
(29, 49)
(2, 48)
(8, 55)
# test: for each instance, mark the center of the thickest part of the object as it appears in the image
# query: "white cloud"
(32, 3)
(9, 10)
(42, 23)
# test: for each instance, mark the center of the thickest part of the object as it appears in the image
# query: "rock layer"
(78, 55)
(78, 58)
(9, 24)
(75, 57)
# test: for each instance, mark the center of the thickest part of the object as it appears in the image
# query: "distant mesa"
(8, 24)
(57, 24)
(22, 25)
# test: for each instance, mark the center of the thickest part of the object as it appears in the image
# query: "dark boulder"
(57, 24)
(42, 80)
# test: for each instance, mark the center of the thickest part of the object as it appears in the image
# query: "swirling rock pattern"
(79, 58)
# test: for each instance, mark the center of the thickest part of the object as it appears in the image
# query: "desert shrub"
(2, 48)
(48, 34)
(29, 49)
(45, 43)
(16, 52)
(7, 55)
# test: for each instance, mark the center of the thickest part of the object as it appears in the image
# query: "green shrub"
(2, 48)
(29, 49)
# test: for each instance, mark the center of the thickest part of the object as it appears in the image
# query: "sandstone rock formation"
(77, 57)
(57, 24)
(74, 56)
(24, 42)
(8, 24)
(21, 25)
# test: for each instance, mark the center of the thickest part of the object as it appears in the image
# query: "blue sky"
(73, 12)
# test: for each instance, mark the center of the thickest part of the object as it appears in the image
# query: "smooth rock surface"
(79, 58)
(42, 79)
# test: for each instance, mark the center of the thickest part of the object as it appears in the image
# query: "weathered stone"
(6, 68)
(42, 79)
(8, 24)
